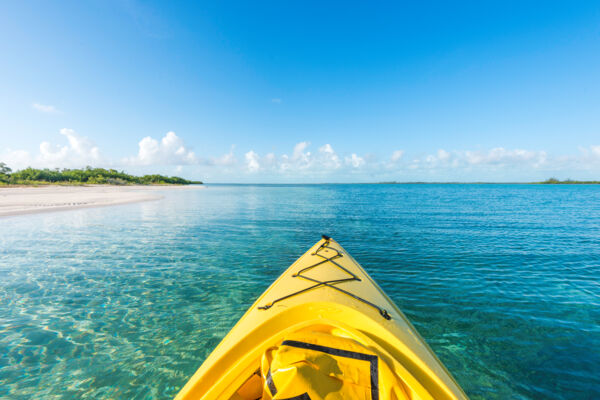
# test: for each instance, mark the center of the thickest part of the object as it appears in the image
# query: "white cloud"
(355, 161)
(252, 161)
(299, 149)
(270, 161)
(495, 158)
(170, 150)
(443, 155)
(16, 159)
(80, 146)
(397, 155)
(170, 153)
(48, 109)
(78, 152)
(328, 157)
(301, 162)
(300, 158)
(501, 156)
(589, 159)
(226, 160)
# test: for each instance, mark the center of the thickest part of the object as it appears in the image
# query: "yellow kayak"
(323, 330)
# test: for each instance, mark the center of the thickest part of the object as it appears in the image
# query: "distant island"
(550, 181)
(85, 176)
(554, 181)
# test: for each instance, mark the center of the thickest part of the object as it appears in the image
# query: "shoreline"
(23, 200)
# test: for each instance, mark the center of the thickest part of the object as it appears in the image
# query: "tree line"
(87, 175)
(554, 181)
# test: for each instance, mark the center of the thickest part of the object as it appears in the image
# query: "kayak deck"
(323, 329)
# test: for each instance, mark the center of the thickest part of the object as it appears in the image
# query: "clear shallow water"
(125, 302)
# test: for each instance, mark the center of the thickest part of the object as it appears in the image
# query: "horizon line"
(571, 182)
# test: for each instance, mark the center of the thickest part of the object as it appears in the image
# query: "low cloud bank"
(79, 151)
(170, 154)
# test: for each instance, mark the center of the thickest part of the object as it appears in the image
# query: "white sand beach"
(28, 200)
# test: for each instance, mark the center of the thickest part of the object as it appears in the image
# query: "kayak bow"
(323, 330)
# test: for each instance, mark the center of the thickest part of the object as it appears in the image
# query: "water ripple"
(126, 302)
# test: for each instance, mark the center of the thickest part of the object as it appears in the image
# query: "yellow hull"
(325, 292)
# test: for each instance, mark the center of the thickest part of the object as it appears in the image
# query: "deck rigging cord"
(331, 283)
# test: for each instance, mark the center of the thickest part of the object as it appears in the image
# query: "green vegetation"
(554, 181)
(86, 176)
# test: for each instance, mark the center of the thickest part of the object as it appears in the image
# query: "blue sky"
(304, 91)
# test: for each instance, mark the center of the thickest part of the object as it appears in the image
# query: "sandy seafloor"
(126, 302)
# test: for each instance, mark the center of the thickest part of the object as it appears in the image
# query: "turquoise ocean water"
(126, 302)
